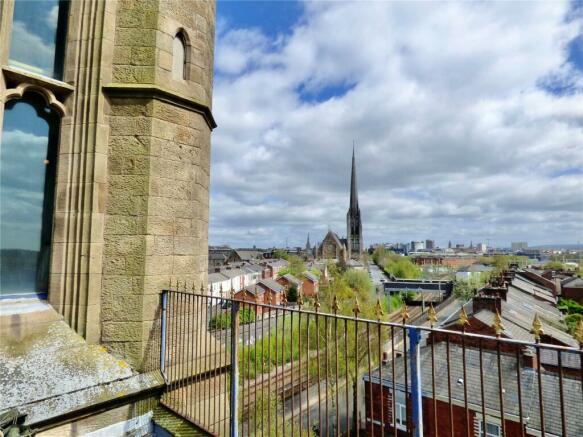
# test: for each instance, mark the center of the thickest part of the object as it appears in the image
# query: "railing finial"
(497, 325)
(317, 303)
(232, 293)
(356, 309)
(379, 309)
(537, 328)
(335, 306)
(432, 315)
(300, 300)
(579, 333)
(170, 283)
(404, 313)
(202, 287)
(463, 321)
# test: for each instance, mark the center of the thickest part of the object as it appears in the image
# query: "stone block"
(158, 265)
(123, 307)
(159, 245)
(159, 225)
(184, 265)
(121, 331)
(185, 246)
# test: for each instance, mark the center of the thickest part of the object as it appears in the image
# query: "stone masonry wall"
(156, 224)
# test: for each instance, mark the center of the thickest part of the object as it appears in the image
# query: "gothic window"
(27, 180)
(179, 56)
(38, 36)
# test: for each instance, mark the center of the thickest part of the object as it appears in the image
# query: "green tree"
(292, 294)
(281, 254)
(464, 290)
(554, 265)
(296, 267)
(402, 267)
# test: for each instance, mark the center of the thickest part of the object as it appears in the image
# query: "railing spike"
(497, 325)
(379, 309)
(335, 306)
(300, 300)
(432, 315)
(463, 320)
(579, 333)
(317, 303)
(537, 328)
(404, 313)
(202, 287)
(356, 309)
(232, 293)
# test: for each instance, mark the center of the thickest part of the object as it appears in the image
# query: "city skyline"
(452, 143)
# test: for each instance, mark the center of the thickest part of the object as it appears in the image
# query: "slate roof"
(573, 400)
(254, 289)
(310, 276)
(248, 255)
(532, 288)
(272, 284)
(574, 282)
(291, 278)
(232, 273)
(213, 278)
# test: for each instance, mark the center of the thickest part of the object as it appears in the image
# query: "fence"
(245, 368)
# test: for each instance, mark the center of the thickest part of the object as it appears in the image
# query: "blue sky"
(467, 118)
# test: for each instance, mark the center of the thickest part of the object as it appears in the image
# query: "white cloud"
(455, 137)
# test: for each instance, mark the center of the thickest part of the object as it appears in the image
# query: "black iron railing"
(237, 367)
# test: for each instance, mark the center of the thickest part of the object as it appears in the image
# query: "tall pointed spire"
(308, 246)
(353, 187)
(353, 223)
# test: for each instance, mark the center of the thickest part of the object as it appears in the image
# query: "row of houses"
(461, 381)
(262, 282)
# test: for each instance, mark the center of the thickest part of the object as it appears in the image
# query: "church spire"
(353, 187)
(308, 246)
(355, 244)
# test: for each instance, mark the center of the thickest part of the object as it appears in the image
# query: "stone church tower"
(123, 90)
(353, 223)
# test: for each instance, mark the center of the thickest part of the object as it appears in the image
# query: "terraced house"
(105, 110)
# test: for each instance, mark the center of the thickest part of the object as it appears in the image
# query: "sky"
(467, 119)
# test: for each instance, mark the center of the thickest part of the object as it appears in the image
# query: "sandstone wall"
(156, 223)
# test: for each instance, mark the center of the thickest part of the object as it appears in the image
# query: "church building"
(333, 247)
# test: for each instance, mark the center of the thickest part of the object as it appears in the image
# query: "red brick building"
(438, 421)
(310, 284)
(572, 288)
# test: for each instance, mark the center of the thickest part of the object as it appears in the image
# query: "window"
(179, 57)
(492, 430)
(38, 36)
(400, 411)
(27, 180)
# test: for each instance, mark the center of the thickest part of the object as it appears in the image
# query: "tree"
(280, 253)
(554, 265)
(292, 294)
(296, 267)
(464, 290)
(402, 267)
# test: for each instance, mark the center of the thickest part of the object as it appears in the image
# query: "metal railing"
(235, 367)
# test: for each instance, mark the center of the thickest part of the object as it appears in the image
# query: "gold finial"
(498, 326)
(284, 299)
(193, 287)
(404, 313)
(379, 309)
(268, 301)
(170, 284)
(232, 293)
(317, 303)
(185, 287)
(579, 333)
(356, 309)
(300, 300)
(335, 306)
(463, 321)
(432, 315)
(201, 287)
(537, 328)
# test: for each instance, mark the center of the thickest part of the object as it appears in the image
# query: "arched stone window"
(38, 36)
(28, 156)
(180, 56)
